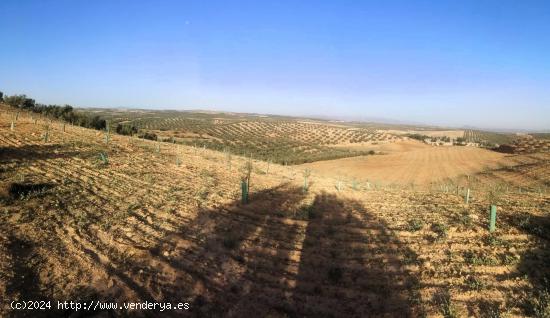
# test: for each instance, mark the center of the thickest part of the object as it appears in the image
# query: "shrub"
(415, 225)
(465, 219)
(19, 101)
(477, 259)
(440, 229)
(21, 190)
(148, 135)
(473, 283)
(446, 307)
(410, 258)
(493, 240)
(126, 129)
(65, 112)
(417, 136)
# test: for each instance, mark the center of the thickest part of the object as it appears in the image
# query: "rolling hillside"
(125, 219)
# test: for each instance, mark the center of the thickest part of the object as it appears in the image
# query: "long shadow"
(350, 264)
(338, 262)
(25, 284)
(234, 260)
(275, 256)
(36, 152)
(214, 262)
(19, 260)
(535, 264)
(26, 280)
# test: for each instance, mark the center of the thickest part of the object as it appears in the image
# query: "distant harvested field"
(386, 147)
(421, 166)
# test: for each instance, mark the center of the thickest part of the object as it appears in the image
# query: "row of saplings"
(493, 195)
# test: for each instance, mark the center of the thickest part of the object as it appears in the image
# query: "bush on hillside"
(65, 113)
(148, 135)
(126, 129)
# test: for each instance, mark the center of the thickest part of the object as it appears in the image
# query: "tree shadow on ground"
(281, 255)
(36, 152)
(236, 258)
(25, 284)
(535, 265)
(350, 264)
(330, 259)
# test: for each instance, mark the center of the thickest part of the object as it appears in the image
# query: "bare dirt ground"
(141, 227)
(385, 147)
(421, 166)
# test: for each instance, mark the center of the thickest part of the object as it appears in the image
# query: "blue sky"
(478, 63)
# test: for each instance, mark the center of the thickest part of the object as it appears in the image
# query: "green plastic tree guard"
(244, 190)
(493, 218)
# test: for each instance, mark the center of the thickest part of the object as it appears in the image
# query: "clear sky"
(479, 63)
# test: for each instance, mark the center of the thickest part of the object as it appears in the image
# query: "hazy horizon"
(448, 64)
